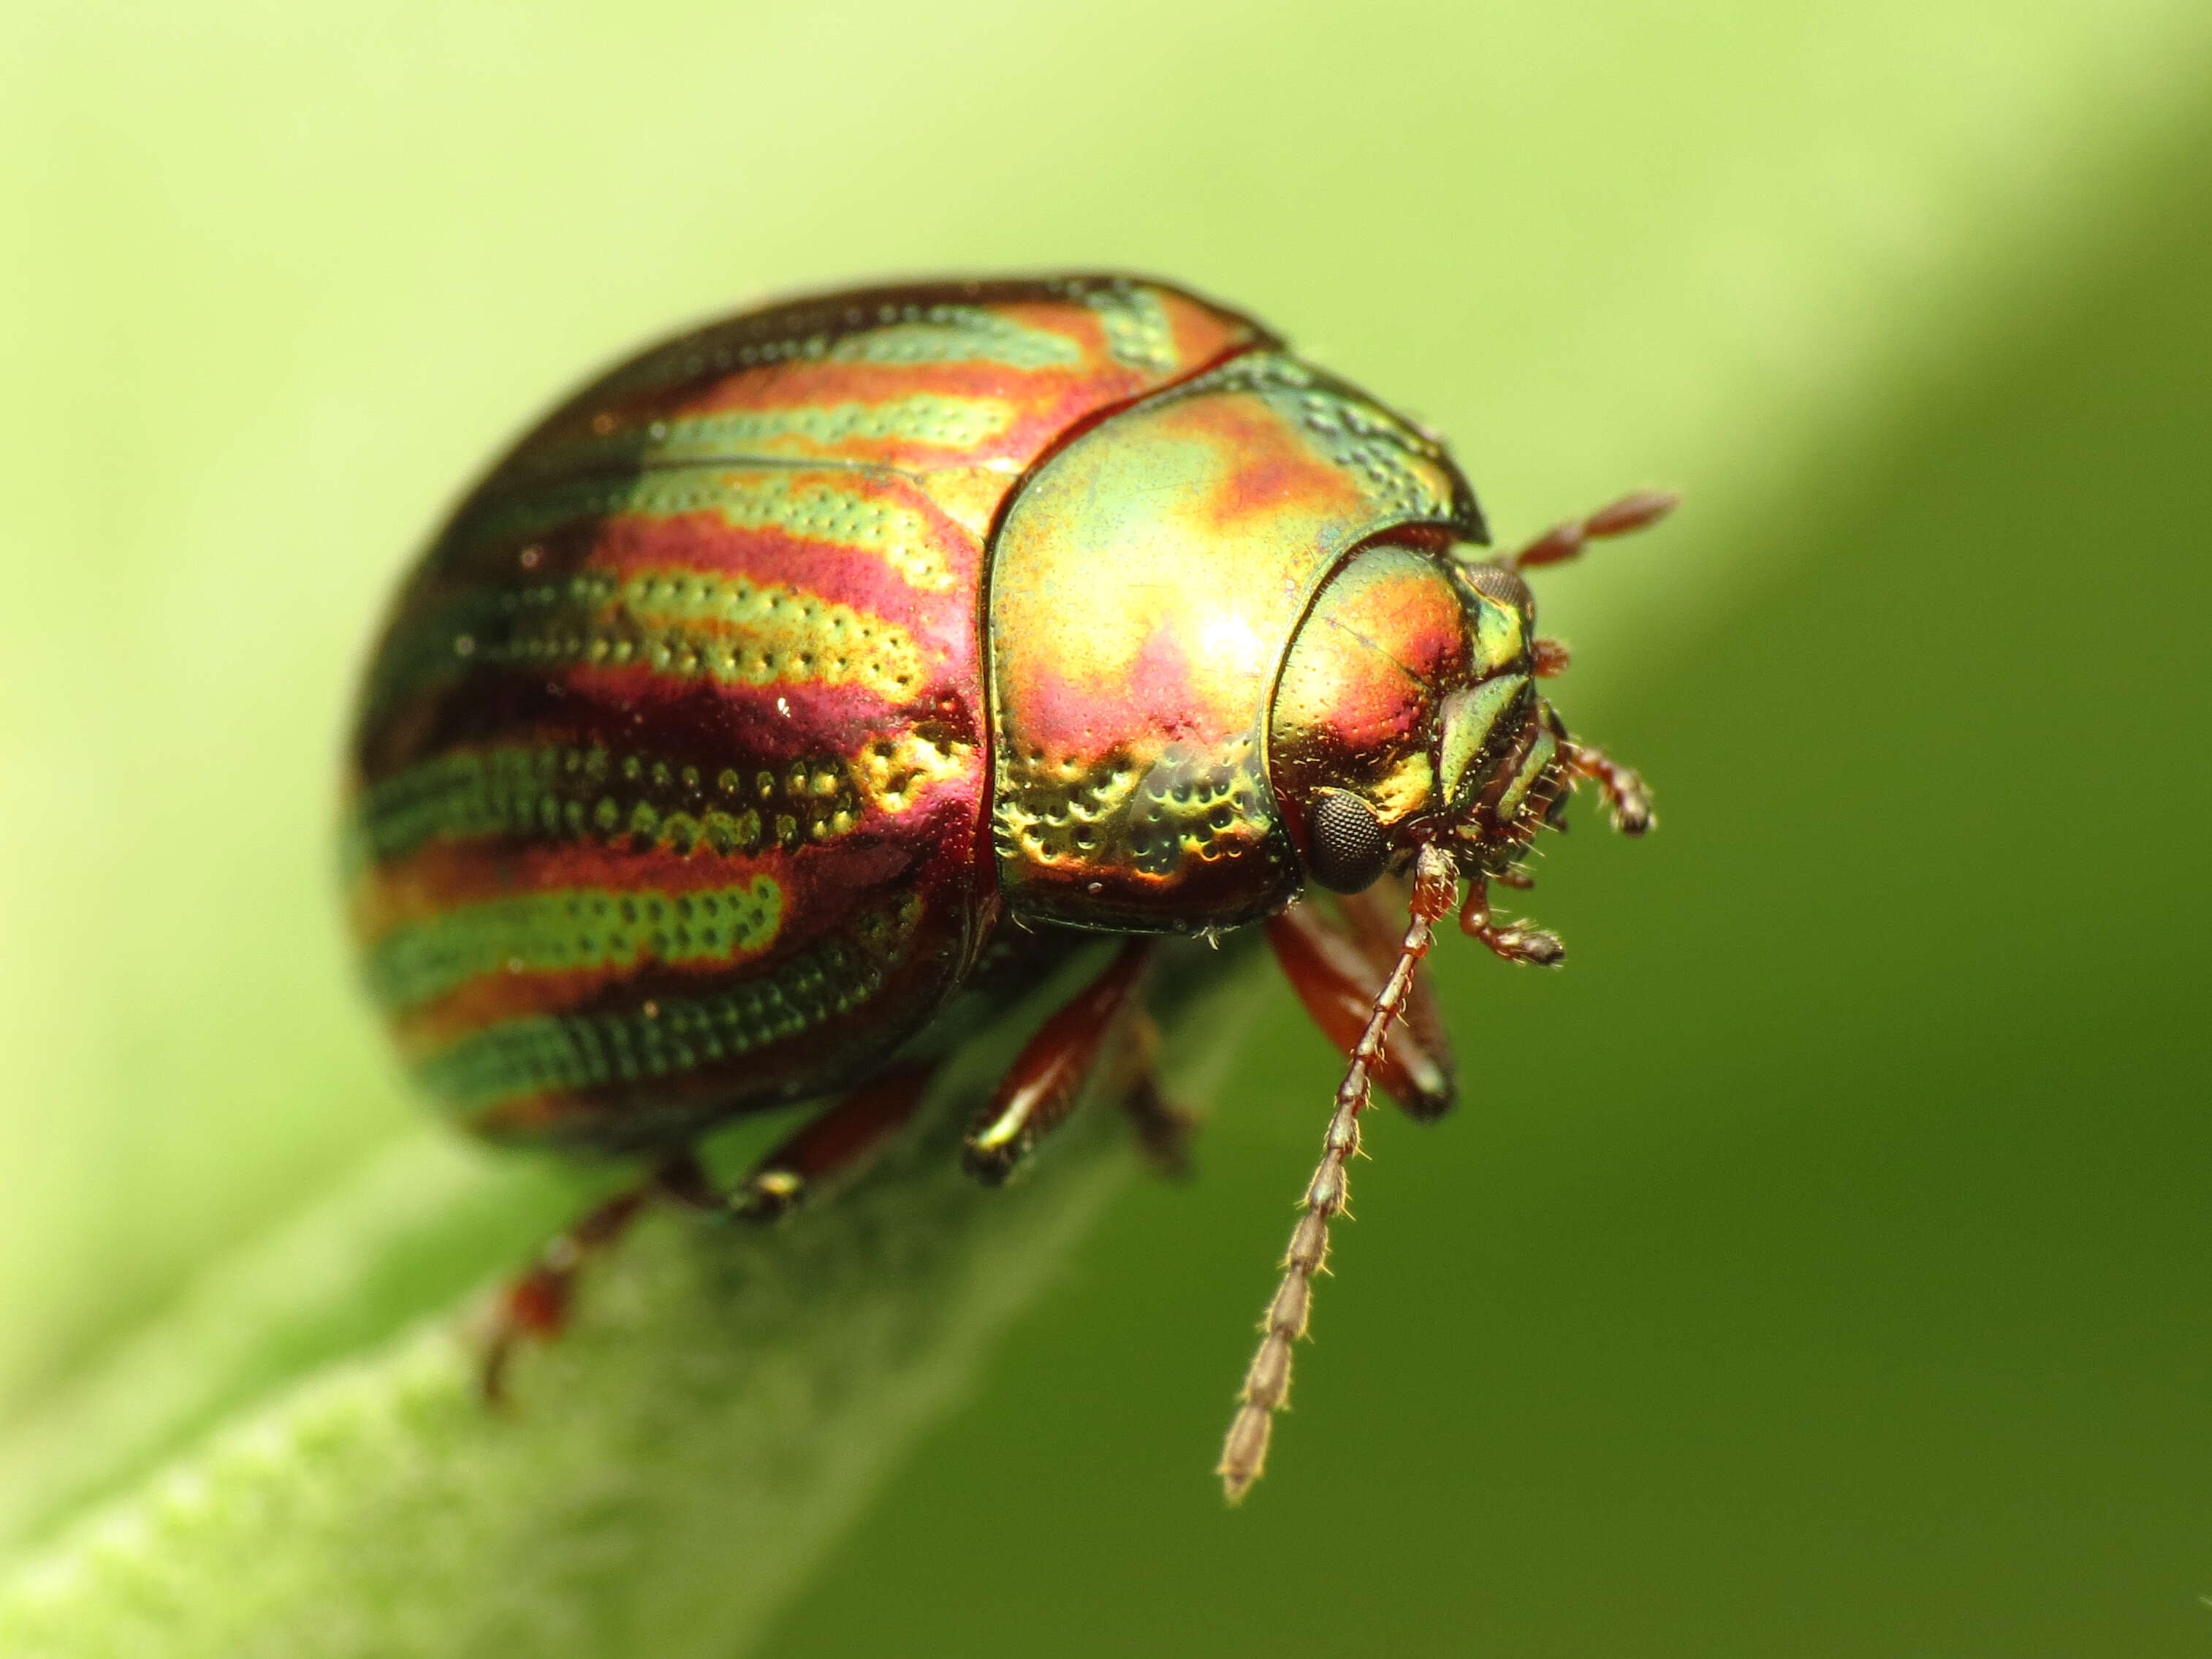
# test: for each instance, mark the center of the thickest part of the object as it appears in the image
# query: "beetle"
(834, 660)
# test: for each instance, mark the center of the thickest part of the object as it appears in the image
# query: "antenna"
(1629, 513)
(1267, 1383)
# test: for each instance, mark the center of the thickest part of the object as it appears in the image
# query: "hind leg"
(536, 1304)
(831, 1147)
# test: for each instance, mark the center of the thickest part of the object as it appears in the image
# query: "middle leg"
(832, 1146)
(1162, 1129)
(1046, 1078)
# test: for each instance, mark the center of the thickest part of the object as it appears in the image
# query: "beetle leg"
(1563, 541)
(1338, 972)
(835, 1143)
(834, 1146)
(1627, 797)
(1162, 1129)
(536, 1305)
(1515, 942)
(1041, 1087)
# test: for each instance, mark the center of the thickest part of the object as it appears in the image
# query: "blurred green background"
(1817, 1265)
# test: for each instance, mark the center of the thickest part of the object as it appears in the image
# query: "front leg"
(1627, 797)
(1337, 974)
(1514, 941)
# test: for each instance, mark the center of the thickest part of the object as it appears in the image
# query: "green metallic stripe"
(544, 1055)
(736, 435)
(553, 791)
(945, 422)
(947, 334)
(911, 334)
(762, 497)
(685, 623)
(569, 930)
(689, 625)
(1138, 334)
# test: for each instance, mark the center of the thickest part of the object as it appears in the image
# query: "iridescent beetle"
(833, 659)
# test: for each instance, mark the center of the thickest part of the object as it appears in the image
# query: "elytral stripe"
(1138, 332)
(943, 421)
(895, 332)
(797, 501)
(570, 930)
(950, 334)
(780, 433)
(520, 1058)
(685, 623)
(559, 792)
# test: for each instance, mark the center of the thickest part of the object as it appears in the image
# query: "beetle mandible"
(829, 660)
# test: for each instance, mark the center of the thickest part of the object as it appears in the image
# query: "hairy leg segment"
(1104, 1025)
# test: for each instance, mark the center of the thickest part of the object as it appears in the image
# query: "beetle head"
(1500, 747)
(1406, 730)
(1408, 712)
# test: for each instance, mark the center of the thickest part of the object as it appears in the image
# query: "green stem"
(724, 1407)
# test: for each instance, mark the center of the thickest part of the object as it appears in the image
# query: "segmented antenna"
(1620, 518)
(1268, 1383)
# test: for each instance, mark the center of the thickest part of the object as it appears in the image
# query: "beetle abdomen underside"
(669, 785)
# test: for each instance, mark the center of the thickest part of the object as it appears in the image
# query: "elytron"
(846, 663)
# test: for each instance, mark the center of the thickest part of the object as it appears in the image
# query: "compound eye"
(1495, 582)
(1348, 851)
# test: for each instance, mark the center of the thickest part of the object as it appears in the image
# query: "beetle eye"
(1495, 582)
(1348, 851)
